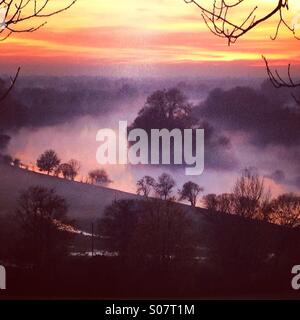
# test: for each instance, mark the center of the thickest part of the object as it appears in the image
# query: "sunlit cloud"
(145, 32)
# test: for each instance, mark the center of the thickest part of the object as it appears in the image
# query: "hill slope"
(85, 201)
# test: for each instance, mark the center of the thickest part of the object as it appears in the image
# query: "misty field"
(85, 201)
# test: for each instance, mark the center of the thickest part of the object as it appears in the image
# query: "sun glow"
(140, 32)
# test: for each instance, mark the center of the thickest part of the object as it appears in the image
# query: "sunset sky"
(146, 38)
(131, 36)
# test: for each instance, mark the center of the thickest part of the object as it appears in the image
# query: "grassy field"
(85, 201)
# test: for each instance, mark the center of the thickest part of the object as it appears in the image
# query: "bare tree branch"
(16, 14)
(277, 80)
(14, 17)
(218, 18)
(219, 22)
(12, 83)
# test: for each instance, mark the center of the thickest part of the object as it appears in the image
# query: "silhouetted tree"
(165, 109)
(152, 230)
(118, 224)
(17, 162)
(48, 161)
(164, 187)
(266, 207)
(171, 110)
(210, 202)
(145, 186)
(248, 193)
(65, 169)
(75, 167)
(41, 216)
(99, 176)
(226, 203)
(286, 210)
(190, 191)
(223, 203)
(163, 233)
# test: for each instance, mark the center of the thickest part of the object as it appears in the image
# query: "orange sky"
(97, 33)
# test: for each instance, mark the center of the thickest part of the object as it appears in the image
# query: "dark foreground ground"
(235, 257)
(113, 278)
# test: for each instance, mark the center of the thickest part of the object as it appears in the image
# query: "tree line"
(50, 163)
(156, 231)
(248, 199)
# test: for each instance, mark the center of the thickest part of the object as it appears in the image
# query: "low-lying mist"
(65, 115)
